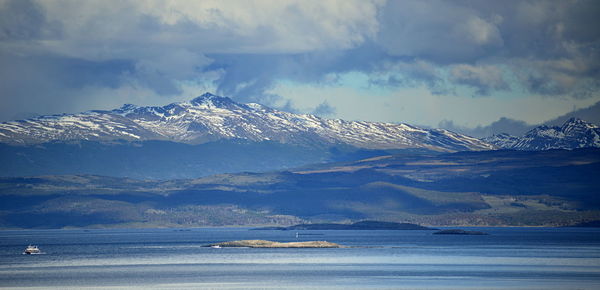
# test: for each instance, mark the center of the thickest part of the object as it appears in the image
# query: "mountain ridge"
(574, 133)
(210, 118)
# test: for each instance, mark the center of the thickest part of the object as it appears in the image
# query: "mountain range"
(210, 118)
(574, 133)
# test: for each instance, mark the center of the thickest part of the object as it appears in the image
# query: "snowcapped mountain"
(574, 133)
(210, 118)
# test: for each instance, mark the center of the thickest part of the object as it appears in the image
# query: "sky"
(430, 63)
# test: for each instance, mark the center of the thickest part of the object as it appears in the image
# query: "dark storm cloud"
(21, 20)
(551, 47)
(248, 76)
(34, 82)
(443, 32)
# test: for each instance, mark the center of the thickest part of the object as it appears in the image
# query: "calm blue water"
(509, 258)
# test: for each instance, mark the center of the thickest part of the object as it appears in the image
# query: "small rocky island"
(271, 244)
(459, 232)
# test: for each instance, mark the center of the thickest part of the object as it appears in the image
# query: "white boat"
(32, 250)
(215, 246)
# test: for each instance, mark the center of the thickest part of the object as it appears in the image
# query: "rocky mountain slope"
(574, 133)
(211, 118)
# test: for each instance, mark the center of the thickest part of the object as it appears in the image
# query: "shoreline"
(252, 227)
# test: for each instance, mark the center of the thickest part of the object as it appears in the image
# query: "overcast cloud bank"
(67, 56)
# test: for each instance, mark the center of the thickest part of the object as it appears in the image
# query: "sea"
(507, 258)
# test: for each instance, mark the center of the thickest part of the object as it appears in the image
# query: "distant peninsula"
(588, 224)
(363, 225)
(459, 232)
(271, 244)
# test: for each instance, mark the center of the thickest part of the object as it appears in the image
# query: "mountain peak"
(127, 107)
(578, 122)
(574, 120)
(207, 95)
(212, 100)
(576, 126)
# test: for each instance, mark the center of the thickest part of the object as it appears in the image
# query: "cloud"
(577, 76)
(241, 46)
(502, 125)
(438, 31)
(590, 114)
(546, 47)
(76, 54)
(324, 110)
(160, 72)
(23, 20)
(409, 73)
(272, 26)
(484, 79)
(550, 47)
(518, 128)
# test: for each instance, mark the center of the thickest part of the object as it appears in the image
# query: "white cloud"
(217, 26)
